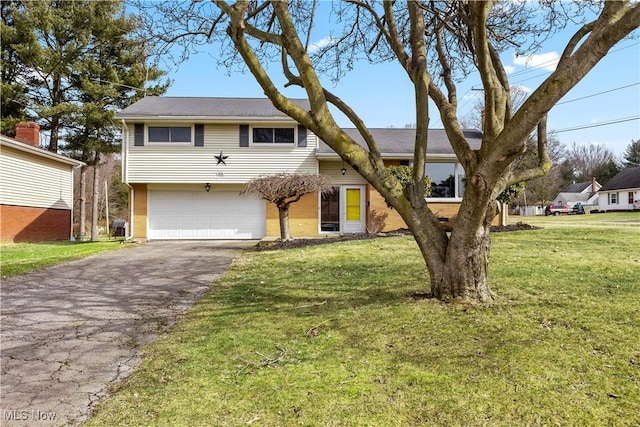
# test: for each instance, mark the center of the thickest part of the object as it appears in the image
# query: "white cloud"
(316, 46)
(509, 69)
(547, 61)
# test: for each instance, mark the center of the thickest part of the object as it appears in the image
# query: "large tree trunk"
(458, 261)
(283, 214)
(82, 232)
(465, 269)
(95, 199)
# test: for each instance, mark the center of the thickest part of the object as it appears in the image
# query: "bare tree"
(285, 189)
(434, 43)
(474, 118)
(587, 161)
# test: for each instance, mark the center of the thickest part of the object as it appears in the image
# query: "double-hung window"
(169, 134)
(276, 135)
(613, 198)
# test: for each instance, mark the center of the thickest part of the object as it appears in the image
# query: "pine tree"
(632, 155)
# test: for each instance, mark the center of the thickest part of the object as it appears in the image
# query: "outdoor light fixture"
(343, 170)
(207, 187)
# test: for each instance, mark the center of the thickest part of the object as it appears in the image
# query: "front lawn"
(329, 336)
(20, 258)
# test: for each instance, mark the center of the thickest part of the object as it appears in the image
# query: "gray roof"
(577, 187)
(627, 178)
(401, 141)
(205, 107)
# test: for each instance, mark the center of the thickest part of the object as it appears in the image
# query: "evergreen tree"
(13, 99)
(632, 155)
(110, 75)
(80, 62)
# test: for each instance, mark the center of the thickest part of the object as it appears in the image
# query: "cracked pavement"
(70, 331)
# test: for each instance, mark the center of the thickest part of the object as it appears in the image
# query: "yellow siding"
(184, 163)
(31, 180)
(379, 206)
(303, 218)
(140, 211)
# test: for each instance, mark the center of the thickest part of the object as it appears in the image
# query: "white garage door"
(201, 215)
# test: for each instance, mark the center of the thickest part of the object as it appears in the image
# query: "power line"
(551, 61)
(541, 65)
(607, 123)
(599, 93)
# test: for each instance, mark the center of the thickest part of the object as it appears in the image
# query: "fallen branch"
(312, 305)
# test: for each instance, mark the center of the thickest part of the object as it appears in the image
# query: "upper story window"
(279, 135)
(177, 134)
(447, 180)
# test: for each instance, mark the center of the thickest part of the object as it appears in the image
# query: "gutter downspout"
(125, 177)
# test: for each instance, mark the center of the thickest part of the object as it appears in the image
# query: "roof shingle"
(169, 106)
(627, 178)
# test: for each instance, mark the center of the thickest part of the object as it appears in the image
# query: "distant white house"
(585, 193)
(622, 192)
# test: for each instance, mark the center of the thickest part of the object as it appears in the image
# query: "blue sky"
(383, 97)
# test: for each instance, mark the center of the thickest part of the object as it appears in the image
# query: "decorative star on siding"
(221, 159)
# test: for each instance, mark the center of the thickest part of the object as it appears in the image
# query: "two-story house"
(186, 159)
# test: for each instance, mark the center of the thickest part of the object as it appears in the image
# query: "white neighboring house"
(622, 192)
(585, 193)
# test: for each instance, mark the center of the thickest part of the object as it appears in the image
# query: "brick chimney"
(594, 185)
(29, 133)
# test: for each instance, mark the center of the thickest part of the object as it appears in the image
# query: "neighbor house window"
(179, 134)
(613, 198)
(630, 199)
(447, 180)
(273, 135)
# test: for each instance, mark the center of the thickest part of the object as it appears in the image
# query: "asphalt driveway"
(69, 331)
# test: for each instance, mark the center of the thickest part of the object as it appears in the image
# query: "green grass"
(20, 258)
(618, 219)
(327, 336)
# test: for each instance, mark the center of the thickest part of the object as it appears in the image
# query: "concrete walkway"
(69, 331)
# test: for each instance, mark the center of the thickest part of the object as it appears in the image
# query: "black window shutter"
(138, 135)
(244, 135)
(199, 141)
(302, 136)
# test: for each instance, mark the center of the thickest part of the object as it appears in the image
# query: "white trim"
(443, 199)
(395, 156)
(208, 119)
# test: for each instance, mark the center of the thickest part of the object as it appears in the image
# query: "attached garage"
(189, 215)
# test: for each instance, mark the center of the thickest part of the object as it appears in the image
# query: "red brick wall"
(28, 224)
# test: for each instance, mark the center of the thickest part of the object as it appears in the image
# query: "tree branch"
(544, 160)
